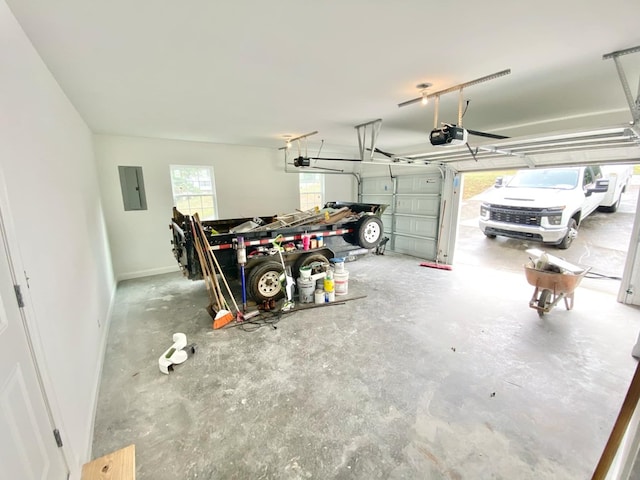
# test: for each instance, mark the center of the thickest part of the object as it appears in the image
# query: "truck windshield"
(562, 178)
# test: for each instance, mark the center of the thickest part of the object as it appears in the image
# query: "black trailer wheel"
(264, 281)
(308, 259)
(544, 301)
(369, 231)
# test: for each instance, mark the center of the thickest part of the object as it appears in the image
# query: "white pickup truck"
(547, 205)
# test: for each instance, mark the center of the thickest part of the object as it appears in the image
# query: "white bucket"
(305, 290)
(330, 296)
(318, 296)
(338, 264)
(305, 272)
(341, 282)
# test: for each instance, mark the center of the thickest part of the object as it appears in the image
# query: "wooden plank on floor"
(118, 465)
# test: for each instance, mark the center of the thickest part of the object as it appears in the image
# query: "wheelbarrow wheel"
(544, 301)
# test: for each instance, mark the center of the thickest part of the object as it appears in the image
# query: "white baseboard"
(106, 324)
(147, 273)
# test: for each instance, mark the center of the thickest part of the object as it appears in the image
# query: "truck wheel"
(308, 259)
(572, 233)
(369, 231)
(264, 281)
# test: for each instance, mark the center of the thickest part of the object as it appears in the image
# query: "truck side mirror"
(601, 186)
(499, 182)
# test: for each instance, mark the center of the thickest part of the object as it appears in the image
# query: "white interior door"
(28, 450)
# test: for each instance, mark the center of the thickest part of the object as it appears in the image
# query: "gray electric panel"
(132, 184)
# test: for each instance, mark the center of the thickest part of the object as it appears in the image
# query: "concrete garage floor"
(434, 375)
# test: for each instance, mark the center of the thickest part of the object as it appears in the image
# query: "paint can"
(305, 290)
(305, 272)
(338, 264)
(341, 280)
(318, 296)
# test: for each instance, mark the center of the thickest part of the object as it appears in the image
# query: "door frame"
(36, 350)
(632, 265)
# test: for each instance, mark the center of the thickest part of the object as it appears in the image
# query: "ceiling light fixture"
(454, 88)
(423, 91)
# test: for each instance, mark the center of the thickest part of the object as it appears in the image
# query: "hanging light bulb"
(288, 144)
(423, 91)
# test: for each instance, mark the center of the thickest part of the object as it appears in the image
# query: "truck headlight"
(554, 215)
(484, 210)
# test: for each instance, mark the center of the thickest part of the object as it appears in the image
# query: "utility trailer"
(344, 229)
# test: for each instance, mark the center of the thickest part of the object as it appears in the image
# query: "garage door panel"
(415, 225)
(418, 205)
(419, 184)
(377, 185)
(383, 199)
(387, 223)
(419, 247)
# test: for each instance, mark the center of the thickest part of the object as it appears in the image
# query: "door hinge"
(56, 435)
(19, 295)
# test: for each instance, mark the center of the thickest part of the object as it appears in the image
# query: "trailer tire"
(264, 281)
(369, 231)
(308, 259)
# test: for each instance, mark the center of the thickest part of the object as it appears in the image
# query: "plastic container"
(305, 272)
(330, 297)
(305, 241)
(306, 288)
(320, 240)
(341, 282)
(338, 264)
(318, 296)
(328, 282)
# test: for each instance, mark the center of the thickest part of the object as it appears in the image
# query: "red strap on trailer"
(292, 238)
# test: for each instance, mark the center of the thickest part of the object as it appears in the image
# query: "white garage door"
(412, 219)
(381, 190)
(416, 215)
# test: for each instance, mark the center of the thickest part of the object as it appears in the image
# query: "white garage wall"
(47, 160)
(249, 181)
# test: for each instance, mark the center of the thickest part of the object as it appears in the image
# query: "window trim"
(213, 195)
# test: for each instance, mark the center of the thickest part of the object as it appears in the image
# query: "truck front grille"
(516, 215)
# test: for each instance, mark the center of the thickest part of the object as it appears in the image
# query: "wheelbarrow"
(551, 287)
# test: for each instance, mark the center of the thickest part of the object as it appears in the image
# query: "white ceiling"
(248, 72)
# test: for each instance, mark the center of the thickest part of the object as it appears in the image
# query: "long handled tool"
(221, 316)
(242, 259)
(226, 318)
(286, 280)
(206, 274)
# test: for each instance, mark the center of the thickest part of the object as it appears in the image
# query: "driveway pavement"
(602, 243)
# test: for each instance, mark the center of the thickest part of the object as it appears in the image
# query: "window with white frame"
(194, 190)
(311, 190)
